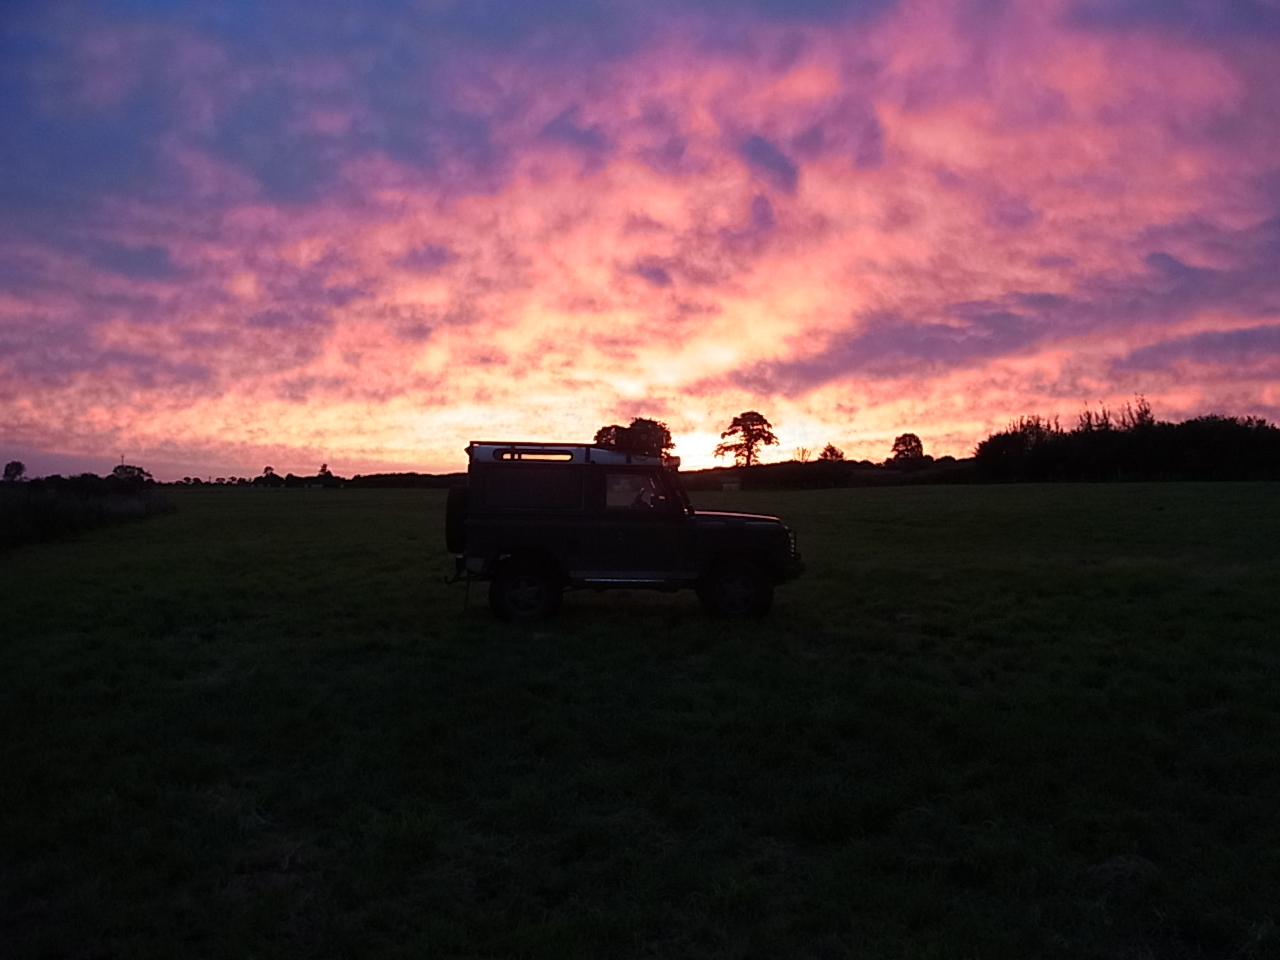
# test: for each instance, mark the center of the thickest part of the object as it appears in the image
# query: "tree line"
(1131, 444)
(54, 506)
(1126, 444)
(125, 478)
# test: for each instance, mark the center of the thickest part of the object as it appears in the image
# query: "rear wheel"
(525, 593)
(737, 590)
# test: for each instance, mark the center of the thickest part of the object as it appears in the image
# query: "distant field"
(1004, 721)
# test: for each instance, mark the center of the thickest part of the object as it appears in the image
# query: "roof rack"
(497, 451)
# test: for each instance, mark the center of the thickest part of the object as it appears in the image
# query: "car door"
(641, 530)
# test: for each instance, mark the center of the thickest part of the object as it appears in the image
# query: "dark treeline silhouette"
(831, 472)
(324, 478)
(1132, 445)
(431, 481)
(47, 507)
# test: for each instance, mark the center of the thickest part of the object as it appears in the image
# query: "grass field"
(1015, 721)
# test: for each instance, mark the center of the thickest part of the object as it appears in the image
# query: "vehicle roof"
(498, 451)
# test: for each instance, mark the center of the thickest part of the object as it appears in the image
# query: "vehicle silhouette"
(537, 519)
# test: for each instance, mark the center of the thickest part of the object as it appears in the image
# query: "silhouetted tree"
(804, 454)
(1010, 452)
(269, 478)
(752, 431)
(1138, 415)
(610, 436)
(1089, 421)
(650, 438)
(14, 470)
(654, 434)
(907, 447)
(130, 475)
(831, 452)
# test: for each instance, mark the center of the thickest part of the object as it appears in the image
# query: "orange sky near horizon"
(928, 217)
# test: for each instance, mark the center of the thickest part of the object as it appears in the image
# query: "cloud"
(770, 163)
(870, 151)
(427, 258)
(146, 262)
(890, 347)
(1164, 293)
(53, 354)
(1196, 17)
(565, 129)
(64, 161)
(297, 319)
(263, 134)
(652, 271)
(1012, 213)
(1239, 349)
(384, 229)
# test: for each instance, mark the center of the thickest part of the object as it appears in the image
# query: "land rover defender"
(535, 519)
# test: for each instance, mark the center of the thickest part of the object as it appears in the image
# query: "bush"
(56, 507)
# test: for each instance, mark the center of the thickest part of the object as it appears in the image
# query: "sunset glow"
(290, 233)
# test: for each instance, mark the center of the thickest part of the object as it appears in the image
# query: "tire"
(736, 590)
(455, 520)
(525, 593)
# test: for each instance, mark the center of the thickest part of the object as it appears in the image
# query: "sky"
(236, 233)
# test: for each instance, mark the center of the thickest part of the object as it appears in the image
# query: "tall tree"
(752, 431)
(908, 447)
(650, 438)
(14, 469)
(269, 478)
(831, 452)
(128, 473)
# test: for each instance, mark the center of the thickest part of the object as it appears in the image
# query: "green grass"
(1016, 721)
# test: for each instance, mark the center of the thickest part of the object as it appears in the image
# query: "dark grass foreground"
(1016, 722)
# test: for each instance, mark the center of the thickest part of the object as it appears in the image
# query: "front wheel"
(525, 594)
(736, 591)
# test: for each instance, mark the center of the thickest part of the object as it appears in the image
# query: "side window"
(520, 487)
(632, 491)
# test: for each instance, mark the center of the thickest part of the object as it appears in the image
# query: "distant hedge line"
(44, 509)
(1205, 448)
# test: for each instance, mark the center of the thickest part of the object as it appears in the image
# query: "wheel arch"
(735, 556)
(529, 558)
